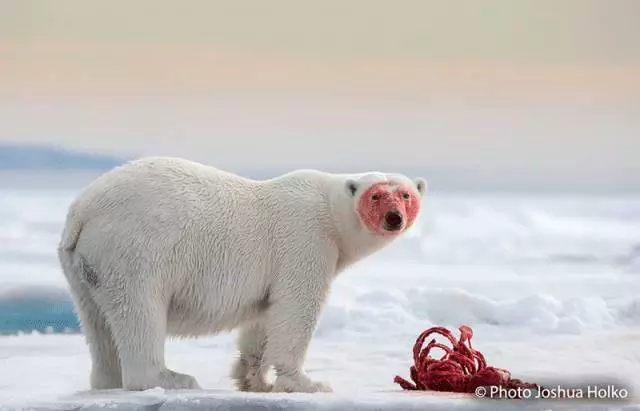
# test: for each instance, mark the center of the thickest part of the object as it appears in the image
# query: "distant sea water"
(584, 251)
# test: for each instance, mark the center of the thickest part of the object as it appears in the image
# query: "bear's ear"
(351, 187)
(421, 185)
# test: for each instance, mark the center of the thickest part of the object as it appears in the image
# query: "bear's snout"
(393, 220)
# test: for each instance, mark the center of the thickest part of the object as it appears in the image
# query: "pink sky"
(98, 71)
(537, 86)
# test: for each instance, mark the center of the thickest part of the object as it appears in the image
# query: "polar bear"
(163, 246)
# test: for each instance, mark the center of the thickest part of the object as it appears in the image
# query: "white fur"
(164, 246)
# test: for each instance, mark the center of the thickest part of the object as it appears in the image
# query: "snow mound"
(495, 230)
(420, 307)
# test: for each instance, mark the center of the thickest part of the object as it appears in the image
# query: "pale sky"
(548, 87)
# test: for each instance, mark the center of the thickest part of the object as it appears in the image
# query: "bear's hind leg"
(248, 372)
(139, 329)
(105, 364)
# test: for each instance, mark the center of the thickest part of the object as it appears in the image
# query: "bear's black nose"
(393, 220)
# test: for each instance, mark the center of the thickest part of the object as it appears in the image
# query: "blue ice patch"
(43, 310)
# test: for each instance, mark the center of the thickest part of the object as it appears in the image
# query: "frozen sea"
(550, 285)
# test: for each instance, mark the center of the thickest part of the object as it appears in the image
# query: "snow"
(549, 284)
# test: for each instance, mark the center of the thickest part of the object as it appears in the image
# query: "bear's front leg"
(296, 302)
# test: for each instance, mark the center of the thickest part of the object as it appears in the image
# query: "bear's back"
(171, 197)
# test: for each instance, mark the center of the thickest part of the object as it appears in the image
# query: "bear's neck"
(356, 247)
(354, 242)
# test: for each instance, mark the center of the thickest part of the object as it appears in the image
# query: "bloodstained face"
(388, 208)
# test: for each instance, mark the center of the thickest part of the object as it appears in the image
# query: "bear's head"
(387, 206)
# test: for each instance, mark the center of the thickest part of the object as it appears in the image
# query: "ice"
(549, 284)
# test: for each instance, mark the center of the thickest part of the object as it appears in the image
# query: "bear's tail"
(70, 234)
(68, 241)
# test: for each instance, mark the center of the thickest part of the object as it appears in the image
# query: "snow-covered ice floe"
(550, 286)
(50, 372)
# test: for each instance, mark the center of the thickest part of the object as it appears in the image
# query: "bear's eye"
(375, 197)
(406, 195)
